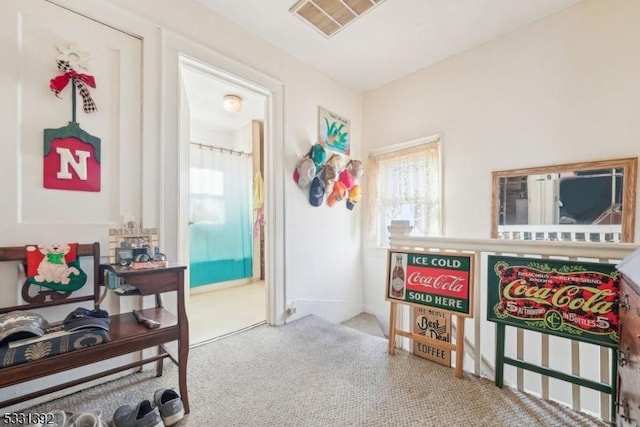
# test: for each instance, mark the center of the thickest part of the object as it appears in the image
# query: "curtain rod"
(221, 149)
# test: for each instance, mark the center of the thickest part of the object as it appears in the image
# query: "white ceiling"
(393, 40)
(205, 91)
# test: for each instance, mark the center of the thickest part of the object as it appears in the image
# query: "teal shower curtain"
(221, 209)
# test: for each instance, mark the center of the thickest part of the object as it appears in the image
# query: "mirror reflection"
(592, 201)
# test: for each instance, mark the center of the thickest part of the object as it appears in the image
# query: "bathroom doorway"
(222, 121)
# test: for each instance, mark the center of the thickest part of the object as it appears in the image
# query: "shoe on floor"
(84, 419)
(143, 415)
(170, 406)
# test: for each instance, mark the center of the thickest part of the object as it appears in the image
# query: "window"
(405, 185)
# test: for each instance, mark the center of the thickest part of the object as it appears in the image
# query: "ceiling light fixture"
(232, 103)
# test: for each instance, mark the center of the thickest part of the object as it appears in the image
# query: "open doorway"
(223, 125)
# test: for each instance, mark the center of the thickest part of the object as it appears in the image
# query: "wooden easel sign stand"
(435, 280)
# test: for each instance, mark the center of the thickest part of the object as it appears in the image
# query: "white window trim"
(408, 144)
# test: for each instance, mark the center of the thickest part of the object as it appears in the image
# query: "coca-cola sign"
(576, 300)
(435, 280)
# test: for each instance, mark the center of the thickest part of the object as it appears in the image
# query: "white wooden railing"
(582, 359)
(563, 232)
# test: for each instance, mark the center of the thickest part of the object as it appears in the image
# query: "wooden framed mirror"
(590, 201)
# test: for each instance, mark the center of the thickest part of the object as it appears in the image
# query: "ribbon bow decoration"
(58, 83)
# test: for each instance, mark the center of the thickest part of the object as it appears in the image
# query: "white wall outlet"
(291, 310)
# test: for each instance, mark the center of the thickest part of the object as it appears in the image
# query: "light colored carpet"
(311, 373)
(365, 322)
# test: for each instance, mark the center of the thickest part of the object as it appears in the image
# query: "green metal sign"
(431, 279)
(571, 299)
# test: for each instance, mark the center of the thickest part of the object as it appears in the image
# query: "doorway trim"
(174, 47)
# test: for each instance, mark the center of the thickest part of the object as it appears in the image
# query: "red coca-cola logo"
(586, 300)
(438, 282)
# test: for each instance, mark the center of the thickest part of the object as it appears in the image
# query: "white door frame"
(175, 46)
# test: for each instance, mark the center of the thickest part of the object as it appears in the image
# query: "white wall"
(322, 259)
(564, 89)
(207, 133)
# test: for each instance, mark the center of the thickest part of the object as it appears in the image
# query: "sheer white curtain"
(405, 184)
(221, 209)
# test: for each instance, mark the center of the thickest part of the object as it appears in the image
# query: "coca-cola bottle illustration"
(397, 278)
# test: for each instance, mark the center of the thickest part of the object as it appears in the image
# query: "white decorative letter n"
(67, 159)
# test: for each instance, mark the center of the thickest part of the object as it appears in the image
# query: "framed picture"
(126, 243)
(123, 254)
(334, 132)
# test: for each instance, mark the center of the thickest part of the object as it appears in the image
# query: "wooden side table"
(154, 281)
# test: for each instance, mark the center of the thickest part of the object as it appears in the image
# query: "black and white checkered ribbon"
(88, 105)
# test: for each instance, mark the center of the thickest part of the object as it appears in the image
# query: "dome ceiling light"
(232, 103)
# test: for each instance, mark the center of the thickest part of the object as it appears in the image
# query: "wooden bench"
(127, 335)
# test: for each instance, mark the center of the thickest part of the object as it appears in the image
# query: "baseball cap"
(339, 192)
(19, 324)
(356, 168)
(81, 318)
(329, 175)
(316, 192)
(347, 179)
(305, 171)
(318, 155)
(336, 161)
(355, 194)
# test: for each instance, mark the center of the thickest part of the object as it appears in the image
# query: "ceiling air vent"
(331, 16)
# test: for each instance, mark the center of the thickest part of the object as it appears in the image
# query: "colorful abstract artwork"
(334, 131)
